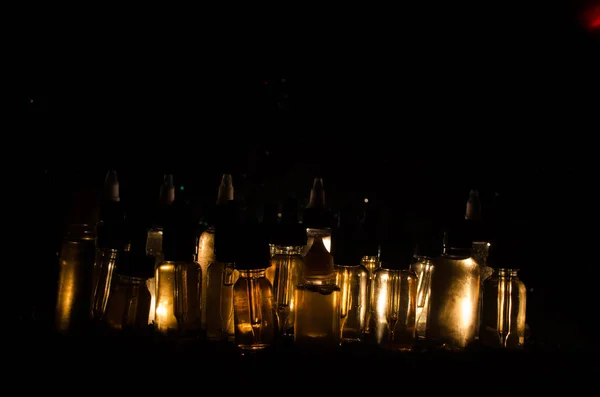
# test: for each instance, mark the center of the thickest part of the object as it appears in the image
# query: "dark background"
(410, 106)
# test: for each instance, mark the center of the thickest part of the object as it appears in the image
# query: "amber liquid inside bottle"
(393, 324)
(154, 241)
(317, 297)
(371, 263)
(205, 256)
(219, 301)
(74, 286)
(165, 320)
(352, 281)
(288, 265)
(128, 304)
(253, 310)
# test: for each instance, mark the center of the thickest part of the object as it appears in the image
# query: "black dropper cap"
(227, 221)
(463, 230)
(113, 234)
(270, 219)
(289, 231)
(316, 214)
(429, 243)
(397, 253)
(180, 234)
(368, 233)
(252, 246)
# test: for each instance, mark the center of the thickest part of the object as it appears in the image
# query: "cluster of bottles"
(255, 283)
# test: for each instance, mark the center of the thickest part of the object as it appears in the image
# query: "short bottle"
(178, 282)
(394, 304)
(353, 281)
(254, 317)
(128, 306)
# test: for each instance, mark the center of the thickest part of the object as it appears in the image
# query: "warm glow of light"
(466, 312)
(161, 310)
(366, 200)
(327, 243)
(165, 297)
(592, 17)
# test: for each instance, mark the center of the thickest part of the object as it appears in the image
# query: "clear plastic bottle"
(75, 275)
(254, 317)
(353, 282)
(129, 301)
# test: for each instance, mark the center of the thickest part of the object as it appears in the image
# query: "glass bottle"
(453, 300)
(178, 282)
(371, 263)
(129, 301)
(289, 239)
(288, 264)
(75, 275)
(317, 321)
(503, 314)
(154, 237)
(353, 282)
(206, 256)
(221, 273)
(111, 238)
(317, 218)
(394, 305)
(254, 317)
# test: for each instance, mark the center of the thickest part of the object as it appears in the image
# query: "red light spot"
(266, 82)
(592, 17)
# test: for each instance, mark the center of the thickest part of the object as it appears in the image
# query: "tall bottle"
(317, 218)
(129, 301)
(154, 240)
(74, 286)
(317, 319)
(254, 317)
(222, 274)
(393, 323)
(178, 280)
(112, 235)
(504, 303)
(289, 239)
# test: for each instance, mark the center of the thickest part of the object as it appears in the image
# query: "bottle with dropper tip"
(222, 274)
(317, 321)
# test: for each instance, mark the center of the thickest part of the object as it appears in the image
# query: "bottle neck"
(507, 272)
(252, 273)
(288, 249)
(123, 279)
(318, 232)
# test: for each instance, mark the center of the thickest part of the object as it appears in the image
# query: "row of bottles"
(254, 283)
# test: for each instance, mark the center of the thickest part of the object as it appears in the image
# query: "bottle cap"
(226, 191)
(252, 247)
(111, 186)
(397, 253)
(167, 190)
(135, 264)
(289, 232)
